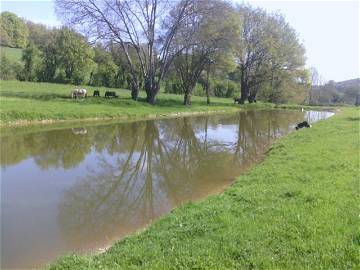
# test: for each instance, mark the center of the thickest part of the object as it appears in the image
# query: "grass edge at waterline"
(298, 209)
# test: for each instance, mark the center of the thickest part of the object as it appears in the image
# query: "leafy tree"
(50, 60)
(31, 59)
(205, 35)
(269, 51)
(74, 55)
(39, 34)
(106, 70)
(13, 30)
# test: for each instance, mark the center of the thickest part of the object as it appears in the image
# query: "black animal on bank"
(109, 94)
(302, 125)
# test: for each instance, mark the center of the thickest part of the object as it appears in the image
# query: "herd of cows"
(82, 93)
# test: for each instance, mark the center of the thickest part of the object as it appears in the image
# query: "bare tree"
(145, 26)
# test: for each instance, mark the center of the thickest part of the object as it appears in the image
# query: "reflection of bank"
(79, 131)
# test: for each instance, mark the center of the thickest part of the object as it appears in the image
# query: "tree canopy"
(13, 30)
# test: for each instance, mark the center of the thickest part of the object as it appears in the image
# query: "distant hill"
(345, 85)
(344, 92)
(13, 54)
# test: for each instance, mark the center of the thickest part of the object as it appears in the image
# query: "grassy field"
(13, 54)
(298, 209)
(28, 101)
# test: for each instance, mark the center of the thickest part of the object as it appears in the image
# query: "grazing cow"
(237, 100)
(96, 93)
(302, 125)
(109, 94)
(76, 93)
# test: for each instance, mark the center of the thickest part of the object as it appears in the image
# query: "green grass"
(13, 54)
(28, 101)
(298, 209)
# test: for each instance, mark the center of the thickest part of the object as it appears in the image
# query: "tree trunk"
(244, 88)
(207, 86)
(207, 96)
(244, 93)
(252, 97)
(151, 89)
(134, 91)
(187, 98)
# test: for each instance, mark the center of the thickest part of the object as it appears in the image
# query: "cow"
(302, 125)
(109, 94)
(96, 93)
(76, 93)
(237, 100)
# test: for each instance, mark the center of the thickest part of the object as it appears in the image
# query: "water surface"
(79, 189)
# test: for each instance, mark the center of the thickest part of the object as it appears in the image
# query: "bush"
(173, 87)
(231, 89)
(220, 89)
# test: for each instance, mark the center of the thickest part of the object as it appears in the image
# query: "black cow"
(302, 125)
(96, 93)
(237, 100)
(110, 94)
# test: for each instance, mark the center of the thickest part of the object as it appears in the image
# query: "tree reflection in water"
(144, 169)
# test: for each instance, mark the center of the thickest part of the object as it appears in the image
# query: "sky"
(328, 29)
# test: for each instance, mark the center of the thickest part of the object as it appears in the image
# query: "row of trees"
(188, 36)
(206, 46)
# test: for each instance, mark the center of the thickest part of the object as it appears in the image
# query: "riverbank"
(29, 103)
(24, 103)
(296, 210)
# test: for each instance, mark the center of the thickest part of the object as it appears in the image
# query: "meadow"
(31, 102)
(298, 209)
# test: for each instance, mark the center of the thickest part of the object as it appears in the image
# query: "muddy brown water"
(77, 190)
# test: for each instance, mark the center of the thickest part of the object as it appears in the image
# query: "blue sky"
(328, 29)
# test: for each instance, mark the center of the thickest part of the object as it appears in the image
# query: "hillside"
(13, 54)
(344, 92)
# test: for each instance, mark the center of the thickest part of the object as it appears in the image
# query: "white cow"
(76, 93)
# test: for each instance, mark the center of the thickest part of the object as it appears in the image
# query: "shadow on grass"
(353, 118)
(162, 102)
(37, 96)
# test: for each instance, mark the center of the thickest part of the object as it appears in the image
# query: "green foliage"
(296, 210)
(13, 30)
(39, 34)
(106, 71)
(13, 54)
(6, 69)
(74, 56)
(31, 59)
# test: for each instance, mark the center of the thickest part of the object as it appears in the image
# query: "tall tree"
(269, 51)
(133, 24)
(74, 55)
(31, 59)
(202, 38)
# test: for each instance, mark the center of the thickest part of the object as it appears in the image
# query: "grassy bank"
(26, 101)
(296, 210)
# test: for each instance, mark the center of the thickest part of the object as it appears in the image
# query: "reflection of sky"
(224, 135)
(29, 203)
